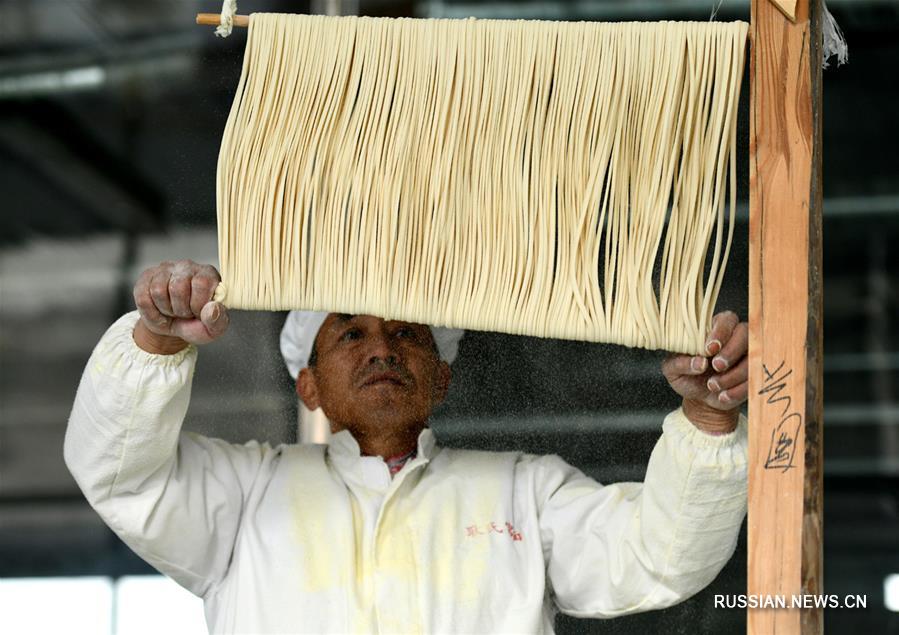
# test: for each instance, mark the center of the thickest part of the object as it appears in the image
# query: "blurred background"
(111, 114)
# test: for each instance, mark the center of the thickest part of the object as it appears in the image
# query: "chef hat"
(301, 327)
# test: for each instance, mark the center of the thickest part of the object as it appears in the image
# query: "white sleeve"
(632, 547)
(175, 499)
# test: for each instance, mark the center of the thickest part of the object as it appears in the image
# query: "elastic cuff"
(121, 336)
(678, 422)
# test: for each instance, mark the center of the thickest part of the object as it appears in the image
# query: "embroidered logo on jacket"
(473, 531)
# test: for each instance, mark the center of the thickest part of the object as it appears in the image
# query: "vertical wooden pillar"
(785, 328)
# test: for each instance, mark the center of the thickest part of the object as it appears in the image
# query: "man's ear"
(441, 384)
(307, 389)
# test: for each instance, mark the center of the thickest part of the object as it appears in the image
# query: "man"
(325, 539)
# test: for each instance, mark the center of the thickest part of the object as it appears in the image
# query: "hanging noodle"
(567, 180)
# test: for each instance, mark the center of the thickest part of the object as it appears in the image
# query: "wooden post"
(785, 328)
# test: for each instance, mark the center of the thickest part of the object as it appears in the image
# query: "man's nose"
(382, 346)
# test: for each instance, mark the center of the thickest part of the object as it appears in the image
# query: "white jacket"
(318, 539)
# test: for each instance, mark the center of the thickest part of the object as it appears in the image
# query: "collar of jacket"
(343, 446)
(371, 472)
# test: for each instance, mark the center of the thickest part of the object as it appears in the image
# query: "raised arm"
(176, 499)
(632, 547)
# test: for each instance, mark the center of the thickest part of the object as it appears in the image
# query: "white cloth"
(318, 539)
(229, 8)
(301, 327)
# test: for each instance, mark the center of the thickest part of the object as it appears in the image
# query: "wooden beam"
(785, 327)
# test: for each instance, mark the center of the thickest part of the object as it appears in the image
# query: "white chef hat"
(301, 327)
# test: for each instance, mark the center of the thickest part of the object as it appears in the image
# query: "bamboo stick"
(214, 19)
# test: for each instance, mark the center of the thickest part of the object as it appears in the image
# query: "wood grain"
(785, 501)
(787, 7)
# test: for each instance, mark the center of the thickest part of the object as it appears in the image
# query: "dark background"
(111, 113)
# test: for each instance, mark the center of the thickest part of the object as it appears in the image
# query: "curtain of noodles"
(569, 180)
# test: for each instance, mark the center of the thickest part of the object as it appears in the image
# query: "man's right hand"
(176, 308)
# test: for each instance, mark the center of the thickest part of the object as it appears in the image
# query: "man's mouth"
(387, 377)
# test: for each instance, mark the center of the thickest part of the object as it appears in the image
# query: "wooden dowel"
(214, 19)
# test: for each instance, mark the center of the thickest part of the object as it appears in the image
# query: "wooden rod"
(785, 522)
(214, 19)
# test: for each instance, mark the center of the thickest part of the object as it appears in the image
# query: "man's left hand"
(715, 385)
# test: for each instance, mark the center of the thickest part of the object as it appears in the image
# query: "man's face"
(374, 376)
